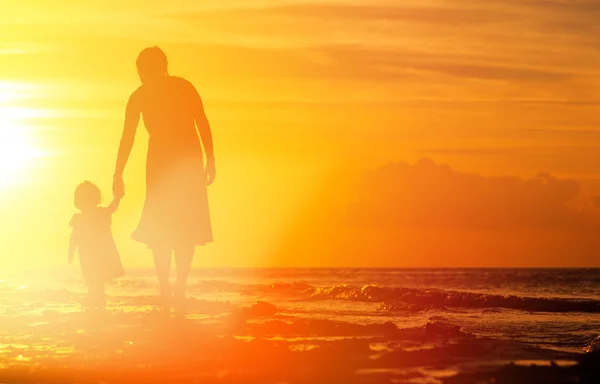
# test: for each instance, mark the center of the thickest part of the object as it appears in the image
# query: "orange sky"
(303, 97)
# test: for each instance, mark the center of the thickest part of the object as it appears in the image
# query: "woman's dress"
(175, 212)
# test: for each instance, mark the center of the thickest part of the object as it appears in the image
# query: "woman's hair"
(152, 60)
(87, 195)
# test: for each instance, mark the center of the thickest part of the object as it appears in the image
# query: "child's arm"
(112, 208)
(72, 247)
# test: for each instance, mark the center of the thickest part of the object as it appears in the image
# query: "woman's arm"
(132, 118)
(205, 136)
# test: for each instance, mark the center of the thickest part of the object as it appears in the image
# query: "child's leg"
(92, 292)
(162, 263)
(183, 262)
(96, 291)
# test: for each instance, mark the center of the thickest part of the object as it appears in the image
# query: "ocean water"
(302, 326)
(549, 308)
(557, 309)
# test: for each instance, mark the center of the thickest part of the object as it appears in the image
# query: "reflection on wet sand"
(256, 331)
(135, 341)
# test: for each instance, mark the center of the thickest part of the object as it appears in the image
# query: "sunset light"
(17, 147)
(300, 191)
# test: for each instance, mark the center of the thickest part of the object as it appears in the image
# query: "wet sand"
(135, 341)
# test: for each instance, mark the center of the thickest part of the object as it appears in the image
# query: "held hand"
(118, 187)
(119, 194)
(211, 172)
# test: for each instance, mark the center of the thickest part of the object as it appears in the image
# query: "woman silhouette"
(175, 217)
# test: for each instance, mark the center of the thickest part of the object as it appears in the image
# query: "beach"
(306, 326)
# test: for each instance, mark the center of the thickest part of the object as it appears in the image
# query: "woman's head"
(152, 64)
(87, 195)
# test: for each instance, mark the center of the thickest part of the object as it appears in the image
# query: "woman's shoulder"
(181, 82)
(187, 90)
(138, 91)
(136, 96)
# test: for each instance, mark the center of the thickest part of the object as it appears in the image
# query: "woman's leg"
(162, 263)
(183, 262)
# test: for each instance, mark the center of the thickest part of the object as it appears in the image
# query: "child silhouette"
(92, 238)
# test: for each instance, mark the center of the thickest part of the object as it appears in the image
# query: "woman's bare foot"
(166, 297)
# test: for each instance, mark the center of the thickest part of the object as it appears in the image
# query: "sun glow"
(16, 153)
(17, 145)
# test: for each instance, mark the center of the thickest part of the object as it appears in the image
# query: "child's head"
(87, 195)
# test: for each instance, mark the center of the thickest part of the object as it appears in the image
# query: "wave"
(390, 298)
(593, 345)
(411, 299)
(398, 299)
(582, 282)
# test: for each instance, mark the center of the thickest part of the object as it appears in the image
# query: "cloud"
(430, 215)
(595, 201)
(494, 72)
(13, 51)
(464, 51)
(359, 61)
(441, 14)
(427, 195)
(498, 40)
(470, 151)
(503, 40)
